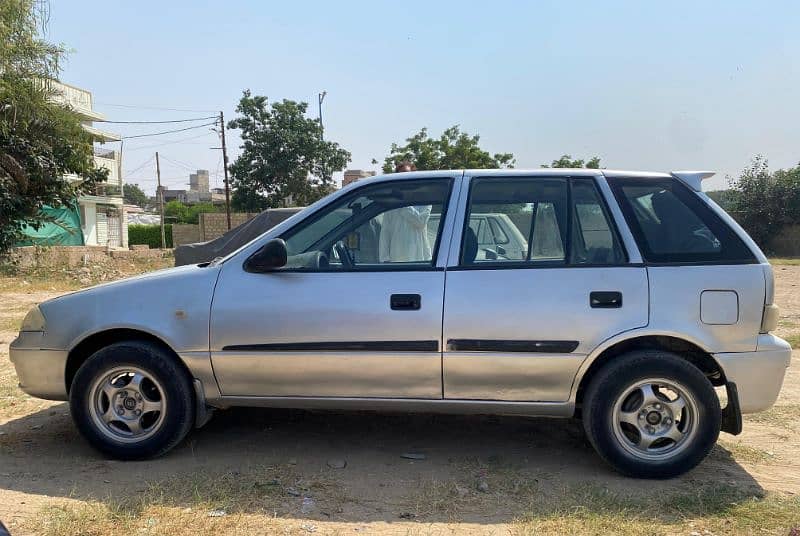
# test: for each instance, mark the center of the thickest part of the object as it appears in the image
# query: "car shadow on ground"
(396, 466)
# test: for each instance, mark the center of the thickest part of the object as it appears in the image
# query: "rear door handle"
(605, 299)
(405, 302)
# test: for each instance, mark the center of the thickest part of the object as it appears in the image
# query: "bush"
(765, 202)
(149, 235)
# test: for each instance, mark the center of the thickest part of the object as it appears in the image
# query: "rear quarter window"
(672, 224)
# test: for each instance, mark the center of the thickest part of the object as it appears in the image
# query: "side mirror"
(272, 255)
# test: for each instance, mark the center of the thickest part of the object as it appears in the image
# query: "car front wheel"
(651, 414)
(132, 400)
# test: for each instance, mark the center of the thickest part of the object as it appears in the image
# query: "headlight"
(34, 320)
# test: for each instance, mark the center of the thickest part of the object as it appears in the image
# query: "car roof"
(691, 178)
(538, 172)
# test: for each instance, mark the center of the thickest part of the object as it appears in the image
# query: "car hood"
(163, 275)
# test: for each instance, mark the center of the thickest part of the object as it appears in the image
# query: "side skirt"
(411, 405)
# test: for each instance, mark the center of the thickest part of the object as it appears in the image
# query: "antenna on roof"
(693, 179)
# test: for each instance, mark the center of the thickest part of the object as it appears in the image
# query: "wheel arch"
(90, 344)
(689, 350)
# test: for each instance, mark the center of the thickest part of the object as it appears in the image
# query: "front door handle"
(605, 299)
(405, 302)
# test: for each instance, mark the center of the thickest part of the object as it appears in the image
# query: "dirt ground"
(269, 471)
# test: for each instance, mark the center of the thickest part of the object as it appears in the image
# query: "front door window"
(388, 225)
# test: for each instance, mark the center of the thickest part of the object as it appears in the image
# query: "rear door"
(518, 322)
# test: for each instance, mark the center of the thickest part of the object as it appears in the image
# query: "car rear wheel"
(132, 400)
(651, 414)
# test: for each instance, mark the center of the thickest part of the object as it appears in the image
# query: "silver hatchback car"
(629, 300)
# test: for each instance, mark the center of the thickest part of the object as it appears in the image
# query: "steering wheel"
(344, 254)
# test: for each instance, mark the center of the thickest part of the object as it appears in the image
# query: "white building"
(103, 219)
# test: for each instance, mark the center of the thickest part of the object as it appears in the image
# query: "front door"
(357, 311)
(519, 321)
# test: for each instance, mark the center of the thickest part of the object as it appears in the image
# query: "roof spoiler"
(693, 179)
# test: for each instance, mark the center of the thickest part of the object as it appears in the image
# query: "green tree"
(452, 150)
(195, 210)
(176, 212)
(283, 155)
(134, 195)
(40, 141)
(764, 202)
(566, 161)
(724, 198)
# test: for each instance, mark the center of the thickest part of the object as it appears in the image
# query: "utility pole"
(320, 98)
(161, 203)
(225, 168)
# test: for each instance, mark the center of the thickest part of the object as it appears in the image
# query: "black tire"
(168, 429)
(622, 374)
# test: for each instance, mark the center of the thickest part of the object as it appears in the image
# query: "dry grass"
(13, 400)
(249, 502)
(793, 339)
(11, 315)
(507, 488)
(790, 261)
(744, 453)
(718, 510)
(10, 324)
(65, 278)
(784, 416)
(578, 510)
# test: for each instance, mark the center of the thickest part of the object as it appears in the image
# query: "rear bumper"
(758, 375)
(40, 372)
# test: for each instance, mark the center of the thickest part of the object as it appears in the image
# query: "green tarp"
(63, 228)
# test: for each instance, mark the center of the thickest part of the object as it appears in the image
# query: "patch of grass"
(718, 509)
(10, 323)
(11, 315)
(793, 339)
(506, 486)
(262, 489)
(29, 282)
(101, 519)
(784, 416)
(745, 453)
(10, 393)
(791, 261)
(60, 277)
(251, 502)
(579, 509)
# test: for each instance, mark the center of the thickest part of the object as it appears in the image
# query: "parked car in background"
(234, 239)
(620, 298)
(496, 234)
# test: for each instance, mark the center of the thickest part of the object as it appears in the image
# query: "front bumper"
(758, 375)
(40, 371)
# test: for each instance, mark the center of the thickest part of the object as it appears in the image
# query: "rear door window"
(517, 220)
(672, 224)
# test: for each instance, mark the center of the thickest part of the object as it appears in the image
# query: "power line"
(153, 122)
(171, 142)
(188, 167)
(141, 166)
(167, 131)
(135, 107)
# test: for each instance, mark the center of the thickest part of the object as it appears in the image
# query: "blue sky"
(644, 85)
